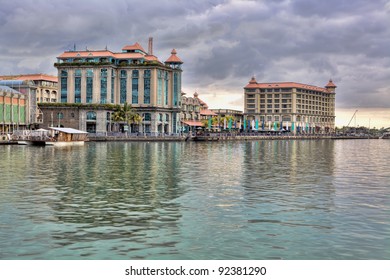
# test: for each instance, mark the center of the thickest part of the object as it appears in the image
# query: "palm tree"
(134, 118)
(124, 114)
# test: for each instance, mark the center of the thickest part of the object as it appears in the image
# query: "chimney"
(150, 47)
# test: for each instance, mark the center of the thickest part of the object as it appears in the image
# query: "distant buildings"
(13, 110)
(296, 107)
(193, 111)
(132, 76)
(46, 86)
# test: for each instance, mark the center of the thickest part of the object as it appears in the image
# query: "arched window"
(91, 116)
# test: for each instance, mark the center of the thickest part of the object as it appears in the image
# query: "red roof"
(173, 58)
(122, 55)
(283, 85)
(32, 77)
(331, 84)
(193, 123)
(207, 112)
(134, 47)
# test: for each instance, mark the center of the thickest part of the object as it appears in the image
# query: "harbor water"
(268, 199)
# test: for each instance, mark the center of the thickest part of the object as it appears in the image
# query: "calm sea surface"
(281, 199)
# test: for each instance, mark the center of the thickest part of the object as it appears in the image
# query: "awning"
(192, 123)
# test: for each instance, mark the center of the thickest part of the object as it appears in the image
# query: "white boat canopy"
(68, 130)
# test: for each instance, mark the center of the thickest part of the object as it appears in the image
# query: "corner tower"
(174, 62)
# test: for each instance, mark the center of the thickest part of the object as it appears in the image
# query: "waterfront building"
(25, 92)
(236, 114)
(13, 110)
(290, 106)
(193, 111)
(46, 85)
(134, 76)
(86, 117)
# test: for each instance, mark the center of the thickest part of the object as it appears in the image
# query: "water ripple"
(234, 200)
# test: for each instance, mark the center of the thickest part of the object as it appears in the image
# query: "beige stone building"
(295, 107)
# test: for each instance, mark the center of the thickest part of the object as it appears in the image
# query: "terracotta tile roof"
(151, 57)
(331, 84)
(72, 54)
(33, 77)
(134, 47)
(173, 58)
(121, 55)
(207, 112)
(192, 123)
(284, 85)
(128, 55)
(86, 54)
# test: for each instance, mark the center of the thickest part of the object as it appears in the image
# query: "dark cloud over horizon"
(222, 43)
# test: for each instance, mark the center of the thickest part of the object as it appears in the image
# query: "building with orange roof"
(295, 107)
(193, 111)
(46, 85)
(18, 108)
(132, 76)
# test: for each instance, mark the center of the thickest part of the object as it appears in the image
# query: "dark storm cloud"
(222, 42)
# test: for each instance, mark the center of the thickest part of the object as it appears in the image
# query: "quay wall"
(220, 138)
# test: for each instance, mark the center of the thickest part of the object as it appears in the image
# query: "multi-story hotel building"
(46, 86)
(134, 76)
(296, 107)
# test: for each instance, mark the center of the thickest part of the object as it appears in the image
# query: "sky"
(223, 43)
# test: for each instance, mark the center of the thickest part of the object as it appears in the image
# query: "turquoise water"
(287, 199)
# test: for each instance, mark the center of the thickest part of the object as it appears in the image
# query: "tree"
(126, 114)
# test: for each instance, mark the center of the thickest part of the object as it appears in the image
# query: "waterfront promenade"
(208, 137)
(219, 137)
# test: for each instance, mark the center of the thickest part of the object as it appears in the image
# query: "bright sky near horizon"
(223, 43)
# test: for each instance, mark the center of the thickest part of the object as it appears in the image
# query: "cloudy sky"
(223, 43)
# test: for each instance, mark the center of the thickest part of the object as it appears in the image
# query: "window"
(77, 86)
(103, 86)
(147, 117)
(91, 116)
(134, 87)
(176, 87)
(123, 87)
(166, 88)
(112, 85)
(60, 115)
(159, 87)
(64, 86)
(147, 87)
(89, 85)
